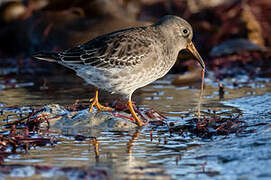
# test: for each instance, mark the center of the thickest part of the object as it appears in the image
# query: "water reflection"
(147, 153)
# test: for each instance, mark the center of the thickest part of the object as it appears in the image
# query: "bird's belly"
(122, 81)
(131, 80)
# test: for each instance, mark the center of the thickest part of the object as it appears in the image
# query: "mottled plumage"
(123, 61)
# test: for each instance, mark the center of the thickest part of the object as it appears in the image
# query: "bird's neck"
(169, 46)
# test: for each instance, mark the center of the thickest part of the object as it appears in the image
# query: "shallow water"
(149, 153)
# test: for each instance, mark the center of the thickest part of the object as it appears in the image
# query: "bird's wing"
(120, 49)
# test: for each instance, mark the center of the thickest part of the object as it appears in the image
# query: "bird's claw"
(95, 102)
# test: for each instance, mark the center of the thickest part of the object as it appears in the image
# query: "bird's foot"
(138, 121)
(131, 108)
(103, 108)
(95, 102)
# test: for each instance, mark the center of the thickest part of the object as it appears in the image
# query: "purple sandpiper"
(125, 60)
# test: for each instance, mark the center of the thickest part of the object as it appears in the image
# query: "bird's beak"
(194, 51)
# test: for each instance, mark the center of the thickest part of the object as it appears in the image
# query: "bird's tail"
(51, 57)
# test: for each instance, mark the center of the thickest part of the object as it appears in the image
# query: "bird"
(123, 61)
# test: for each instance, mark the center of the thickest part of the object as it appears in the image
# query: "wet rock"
(60, 118)
(236, 57)
(234, 46)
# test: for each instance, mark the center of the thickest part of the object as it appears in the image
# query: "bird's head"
(179, 33)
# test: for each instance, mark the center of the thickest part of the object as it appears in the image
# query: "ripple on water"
(166, 156)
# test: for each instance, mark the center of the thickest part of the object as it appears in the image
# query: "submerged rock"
(60, 118)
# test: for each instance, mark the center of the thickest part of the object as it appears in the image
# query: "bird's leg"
(95, 102)
(131, 108)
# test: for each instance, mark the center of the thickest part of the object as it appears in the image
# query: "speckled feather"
(116, 50)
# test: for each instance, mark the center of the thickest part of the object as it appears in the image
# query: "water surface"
(151, 153)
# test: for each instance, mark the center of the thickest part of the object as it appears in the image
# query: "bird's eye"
(185, 32)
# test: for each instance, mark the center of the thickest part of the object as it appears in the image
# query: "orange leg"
(131, 141)
(131, 108)
(96, 148)
(95, 102)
